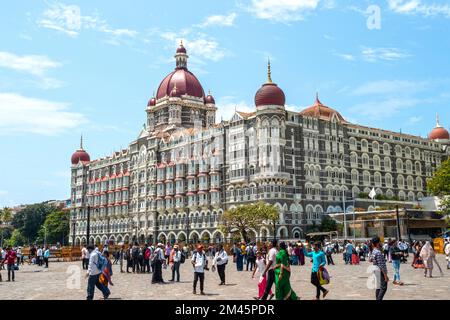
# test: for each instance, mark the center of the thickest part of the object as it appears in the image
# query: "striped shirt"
(378, 260)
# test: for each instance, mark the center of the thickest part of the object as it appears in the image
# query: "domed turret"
(270, 93)
(210, 99)
(320, 111)
(439, 132)
(80, 155)
(185, 81)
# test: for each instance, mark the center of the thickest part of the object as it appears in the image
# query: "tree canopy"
(244, 218)
(55, 228)
(439, 186)
(29, 220)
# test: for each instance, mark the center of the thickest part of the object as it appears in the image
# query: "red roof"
(270, 94)
(80, 155)
(186, 84)
(439, 133)
(320, 111)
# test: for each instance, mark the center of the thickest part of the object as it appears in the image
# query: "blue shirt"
(318, 259)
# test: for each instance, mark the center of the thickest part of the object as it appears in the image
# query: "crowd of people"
(271, 262)
(13, 258)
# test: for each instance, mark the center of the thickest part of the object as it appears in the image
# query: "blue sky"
(72, 67)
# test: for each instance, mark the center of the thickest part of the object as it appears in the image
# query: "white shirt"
(223, 256)
(93, 260)
(39, 252)
(199, 260)
(159, 254)
(272, 256)
(177, 256)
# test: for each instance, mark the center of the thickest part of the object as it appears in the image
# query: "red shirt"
(10, 257)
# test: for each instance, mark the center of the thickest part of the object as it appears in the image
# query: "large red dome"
(270, 94)
(439, 133)
(186, 82)
(320, 111)
(80, 155)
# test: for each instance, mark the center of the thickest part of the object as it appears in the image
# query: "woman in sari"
(301, 255)
(105, 277)
(283, 290)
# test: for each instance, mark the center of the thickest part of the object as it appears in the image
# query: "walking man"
(200, 264)
(96, 264)
(220, 260)
(84, 257)
(378, 259)
(270, 269)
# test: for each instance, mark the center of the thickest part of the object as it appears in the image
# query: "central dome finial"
(269, 72)
(181, 56)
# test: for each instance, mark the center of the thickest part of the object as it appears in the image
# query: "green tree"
(17, 239)
(328, 224)
(29, 220)
(55, 228)
(439, 186)
(5, 215)
(244, 218)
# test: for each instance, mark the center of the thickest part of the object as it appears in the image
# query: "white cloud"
(392, 87)
(346, 56)
(414, 120)
(35, 65)
(413, 7)
(383, 54)
(207, 48)
(69, 20)
(3, 193)
(19, 114)
(227, 105)
(32, 64)
(220, 20)
(384, 108)
(283, 10)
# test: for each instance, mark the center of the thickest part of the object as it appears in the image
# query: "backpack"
(182, 258)
(147, 254)
(251, 252)
(135, 252)
(101, 261)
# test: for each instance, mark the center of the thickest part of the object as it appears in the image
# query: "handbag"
(324, 277)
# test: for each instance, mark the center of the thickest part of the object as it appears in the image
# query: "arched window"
(375, 147)
(399, 165)
(387, 164)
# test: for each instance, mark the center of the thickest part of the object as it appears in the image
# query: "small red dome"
(439, 133)
(181, 49)
(210, 99)
(184, 80)
(152, 102)
(80, 155)
(320, 111)
(270, 94)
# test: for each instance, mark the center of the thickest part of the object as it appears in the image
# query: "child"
(105, 277)
(260, 267)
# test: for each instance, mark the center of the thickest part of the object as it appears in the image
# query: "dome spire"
(269, 71)
(438, 125)
(81, 142)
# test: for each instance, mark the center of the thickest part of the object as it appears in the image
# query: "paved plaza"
(63, 281)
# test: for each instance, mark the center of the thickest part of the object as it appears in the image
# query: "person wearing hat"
(200, 264)
(157, 261)
(175, 260)
(378, 260)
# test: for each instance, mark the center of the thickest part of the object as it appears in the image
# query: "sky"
(89, 67)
